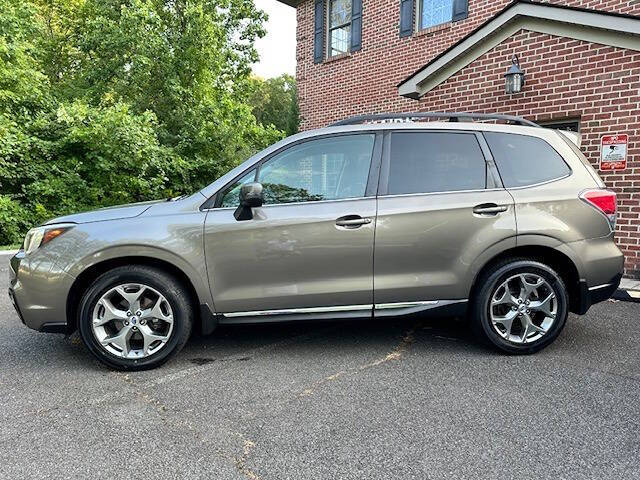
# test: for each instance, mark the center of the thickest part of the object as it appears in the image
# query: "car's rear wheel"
(521, 306)
(135, 317)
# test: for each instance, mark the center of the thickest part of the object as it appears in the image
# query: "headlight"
(36, 237)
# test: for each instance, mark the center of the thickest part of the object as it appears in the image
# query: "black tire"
(168, 286)
(488, 284)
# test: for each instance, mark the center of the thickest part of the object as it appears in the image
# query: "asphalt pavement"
(388, 399)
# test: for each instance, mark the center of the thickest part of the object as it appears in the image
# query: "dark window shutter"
(406, 17)
(460, 10)
(356, 25)
(318, 32)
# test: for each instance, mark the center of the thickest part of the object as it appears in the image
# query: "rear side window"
(427, 162)
(523, 160)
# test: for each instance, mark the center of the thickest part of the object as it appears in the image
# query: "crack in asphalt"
(176, 422)
(397, 353)
(142, 394)
(241, 462)
(242, 356)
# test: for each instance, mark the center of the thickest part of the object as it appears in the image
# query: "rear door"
(309, 248)
(545, 189)
(440, 207)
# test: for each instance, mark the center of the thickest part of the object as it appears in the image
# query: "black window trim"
(493, 175)
(219, 198)
(562, 177)
(490, 179)
(213, 202)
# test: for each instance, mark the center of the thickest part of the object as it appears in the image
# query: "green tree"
(24, 92)
(275, 102)
(111, 101)
(183, 60)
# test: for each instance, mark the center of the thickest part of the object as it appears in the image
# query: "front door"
(309, 248)
(440, 207)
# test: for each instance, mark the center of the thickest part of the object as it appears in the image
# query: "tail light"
(603, 201)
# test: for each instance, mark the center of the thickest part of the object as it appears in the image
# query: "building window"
(339, 37)
(434, 12)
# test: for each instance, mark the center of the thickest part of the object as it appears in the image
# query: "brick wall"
(566, 79)
(365, 81)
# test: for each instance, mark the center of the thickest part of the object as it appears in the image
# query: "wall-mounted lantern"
(514, 77)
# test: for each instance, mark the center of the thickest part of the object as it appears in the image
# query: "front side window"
(428, 162)
(434, 12)
(339, 26)
(323, 169)
(523, 160)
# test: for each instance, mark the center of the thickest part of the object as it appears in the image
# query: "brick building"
(581, 61)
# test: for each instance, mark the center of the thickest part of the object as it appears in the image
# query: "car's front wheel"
(521, 306)
(135, 317)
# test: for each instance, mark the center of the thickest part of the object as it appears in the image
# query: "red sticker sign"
(613, 152)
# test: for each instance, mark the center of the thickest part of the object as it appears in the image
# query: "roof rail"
(452, 116)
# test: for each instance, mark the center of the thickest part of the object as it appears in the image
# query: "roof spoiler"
(575, 137)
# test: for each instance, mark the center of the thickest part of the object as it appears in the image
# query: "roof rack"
(452, 116)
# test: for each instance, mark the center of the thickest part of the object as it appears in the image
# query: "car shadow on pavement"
(244, 342)
(339, 334)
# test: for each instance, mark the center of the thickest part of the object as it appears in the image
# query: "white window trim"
(327, 13)
(418, 13)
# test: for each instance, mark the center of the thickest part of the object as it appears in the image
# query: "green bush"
(13, 221)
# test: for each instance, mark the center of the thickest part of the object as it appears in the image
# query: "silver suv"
(507, 222)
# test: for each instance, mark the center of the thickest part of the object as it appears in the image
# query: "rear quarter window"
(523, 160)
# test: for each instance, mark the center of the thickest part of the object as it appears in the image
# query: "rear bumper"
(599, 293)
(600, 265)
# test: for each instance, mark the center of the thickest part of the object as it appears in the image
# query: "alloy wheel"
(132, 321)
(523, 308)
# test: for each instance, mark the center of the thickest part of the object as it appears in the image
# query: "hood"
(109, 213)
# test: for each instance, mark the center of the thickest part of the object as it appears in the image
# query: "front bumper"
(13, 279)
(12, 297)
(39, 291)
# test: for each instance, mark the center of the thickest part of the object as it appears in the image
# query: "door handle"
(352, 221)
(489, 209)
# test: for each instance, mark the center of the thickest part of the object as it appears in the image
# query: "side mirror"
(251, 196)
